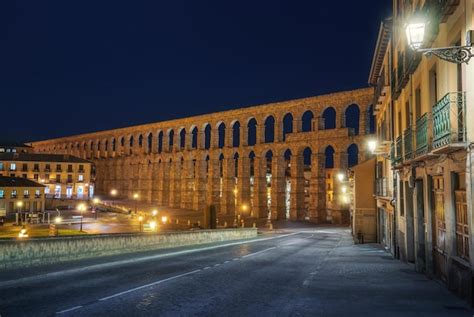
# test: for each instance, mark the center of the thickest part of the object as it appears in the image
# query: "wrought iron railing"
(408, 144)
(381, 187)
(449, 120)
(422, 134)
(398, 149)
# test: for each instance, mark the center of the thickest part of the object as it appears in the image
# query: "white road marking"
(148, 285)
(259, 252)
(217, 264)
(68, 310)
(226, 262)
(235, 259)
(132, 260)
(207, 268)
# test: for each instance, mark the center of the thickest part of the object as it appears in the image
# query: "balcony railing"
(422, 135)
(408, 144)
(449, 120)
(398, 149)
(381, 187)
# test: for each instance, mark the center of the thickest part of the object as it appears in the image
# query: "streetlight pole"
(81, 208)
(135, 197)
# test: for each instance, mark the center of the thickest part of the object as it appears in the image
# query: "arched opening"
(236, 165)
(352, 114)
(329, 118)
(252, 132)
(207, 167)
(306, 121)
(287, 125)
(182, 138)
(352, 155)
(370, 128)
(194, 142)
(122, 141)
(150, 142)
(114, 146)
(140, 140)
(170, 140)
(269, 159)
(160, 142)
(307, 153)
(236, 134)
(270, 129)
(329, 157)
(207, 137)
(221, 135)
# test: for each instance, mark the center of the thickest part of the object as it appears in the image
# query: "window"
(69, 178)
(12, 166)
(36, 167)
(47, 168)
(1, 166)
(438, 188)
(81, 168)
(2, 194)
(80, 178)
(58, 178)
(26, 193)
(24, 167)
(37, 193)
(57, 191)
(14, 194)
(58, 167)
(46, 178)
(35, 176)
(69, 168)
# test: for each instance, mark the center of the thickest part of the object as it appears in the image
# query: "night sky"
(69, 67)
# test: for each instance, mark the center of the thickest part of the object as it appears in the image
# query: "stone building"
(64, 176)
(424, 170)
(269, 158)
(19, 195)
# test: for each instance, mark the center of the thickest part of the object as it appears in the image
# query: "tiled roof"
(38, 157)
(17, 182)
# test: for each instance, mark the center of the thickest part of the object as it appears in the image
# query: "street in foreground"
(310, 271)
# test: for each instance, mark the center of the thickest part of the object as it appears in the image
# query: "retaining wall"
(41, 251)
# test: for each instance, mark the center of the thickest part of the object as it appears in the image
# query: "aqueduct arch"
(271, 158)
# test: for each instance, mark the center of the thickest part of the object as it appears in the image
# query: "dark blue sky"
(69, 67)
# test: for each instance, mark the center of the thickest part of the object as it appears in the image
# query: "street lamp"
(164, 219)
(95, 201)
(113, 192)
(81, 207)
(19, 205)
(135, 197)
(415, 32)
(372, 144)
(340, 177)
(140, 220)
(154, 212)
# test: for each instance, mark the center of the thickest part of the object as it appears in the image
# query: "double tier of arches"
(271, 158)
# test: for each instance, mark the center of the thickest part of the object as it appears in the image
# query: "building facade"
(423, 177)
(64, 176)
(272, 158)
(14, 147)
(19, 195)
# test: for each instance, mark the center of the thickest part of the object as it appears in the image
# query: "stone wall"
(40, 251)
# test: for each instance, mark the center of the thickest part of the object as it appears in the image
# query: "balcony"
(398, 149)
(449, 125)
(381, 187)
(380, 89)
(408, 144)
(422, 135)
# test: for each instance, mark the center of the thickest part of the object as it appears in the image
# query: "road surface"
(306, 272)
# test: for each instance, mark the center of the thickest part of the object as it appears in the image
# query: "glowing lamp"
(372, 144)
(415, 34)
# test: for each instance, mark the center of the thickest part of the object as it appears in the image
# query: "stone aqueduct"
(232, 158)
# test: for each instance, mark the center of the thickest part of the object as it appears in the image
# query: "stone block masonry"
(243, 160)
(42, 251)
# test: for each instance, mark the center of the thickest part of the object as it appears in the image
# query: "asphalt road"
(300, 273)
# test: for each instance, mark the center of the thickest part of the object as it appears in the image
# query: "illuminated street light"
(164, 219)
(58, 220)
(372, 144)
(344, 189)
(81, 207)
(340, 177)
(140, 220)
(135, 197)
(95, 201)
(154, 212)
(415, 32)
(153, 225)
(23, 233)
(113, 192)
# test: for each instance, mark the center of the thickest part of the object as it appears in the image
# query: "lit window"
(1, 166)
(80, 178)
(26, 193)
(2, 193)
(13, 167)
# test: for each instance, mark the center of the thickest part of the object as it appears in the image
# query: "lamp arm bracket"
(453, 54)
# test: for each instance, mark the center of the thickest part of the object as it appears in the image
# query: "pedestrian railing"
(449, 120)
